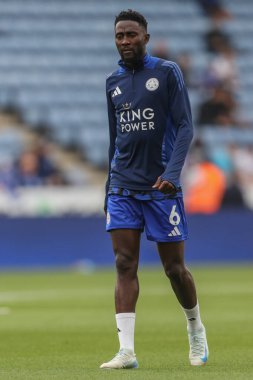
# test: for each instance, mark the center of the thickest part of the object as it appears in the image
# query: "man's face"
(131, 39)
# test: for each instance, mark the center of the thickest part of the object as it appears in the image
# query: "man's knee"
(126, 263)
(175, 272)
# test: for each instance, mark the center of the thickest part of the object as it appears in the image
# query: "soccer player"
(150, 132)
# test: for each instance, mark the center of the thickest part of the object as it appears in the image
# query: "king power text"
(137, 120)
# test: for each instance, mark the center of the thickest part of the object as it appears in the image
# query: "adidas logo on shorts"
(175, 232)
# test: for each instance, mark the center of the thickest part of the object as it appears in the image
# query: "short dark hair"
(133, 16)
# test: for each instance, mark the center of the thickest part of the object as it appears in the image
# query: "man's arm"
(112, 137)
(181, 115)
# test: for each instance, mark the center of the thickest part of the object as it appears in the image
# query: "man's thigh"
(126, 244)
(165, 220)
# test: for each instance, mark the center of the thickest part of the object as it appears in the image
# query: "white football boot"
(198, 347)
(124, 359)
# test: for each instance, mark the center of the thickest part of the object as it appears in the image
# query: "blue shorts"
(164, 219)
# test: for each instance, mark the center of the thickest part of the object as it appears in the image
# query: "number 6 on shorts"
(174, 216)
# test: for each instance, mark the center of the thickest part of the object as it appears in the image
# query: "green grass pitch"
(61, 326)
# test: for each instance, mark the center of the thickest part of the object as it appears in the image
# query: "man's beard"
(135, 60)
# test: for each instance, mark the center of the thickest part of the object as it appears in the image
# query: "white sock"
(193, 319)
(125, 324)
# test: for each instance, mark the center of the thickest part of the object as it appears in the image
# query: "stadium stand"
(55, 59)
(55, 56)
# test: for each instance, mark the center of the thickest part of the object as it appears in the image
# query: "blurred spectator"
(34, 168)
(220, 156)
(215, 10)
(161, 50)
(233, 196)
(221, 178)
(243, 162)
(205, 187)
(7, 176)
(222, 69)
(45, 165)
(219, 109)
(47, 171)
(204, 182)
(184, 61)
(217, 40)
(27, 170)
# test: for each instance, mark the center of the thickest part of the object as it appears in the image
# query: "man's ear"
(147, 37)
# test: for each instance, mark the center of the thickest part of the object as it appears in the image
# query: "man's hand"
(165, 187)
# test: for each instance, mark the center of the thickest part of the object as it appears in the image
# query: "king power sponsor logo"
(137, 120)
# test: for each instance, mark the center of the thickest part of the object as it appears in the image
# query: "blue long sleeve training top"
(150, 124)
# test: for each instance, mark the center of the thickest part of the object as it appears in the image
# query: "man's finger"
(162, 186)
(156, 185)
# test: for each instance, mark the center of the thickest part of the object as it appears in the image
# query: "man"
(150, 133)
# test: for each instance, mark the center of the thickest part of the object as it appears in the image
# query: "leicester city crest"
(152, 84)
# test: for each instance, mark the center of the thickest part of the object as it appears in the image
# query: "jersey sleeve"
(112, 137)
(181, 114)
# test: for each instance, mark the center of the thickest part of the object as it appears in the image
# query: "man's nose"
(125, 41)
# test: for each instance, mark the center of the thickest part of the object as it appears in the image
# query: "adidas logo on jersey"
(175, 232)
(116, 92)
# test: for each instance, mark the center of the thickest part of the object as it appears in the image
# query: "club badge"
(152, 84)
